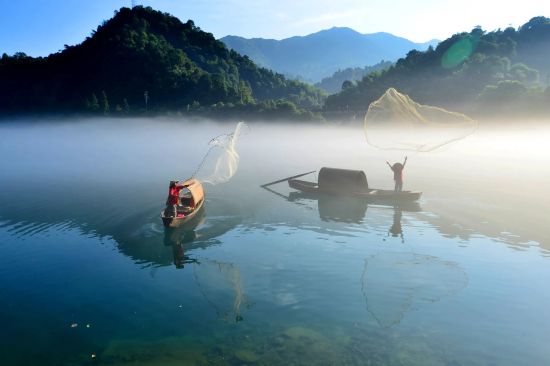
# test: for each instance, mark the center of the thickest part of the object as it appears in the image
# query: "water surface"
(88, 274)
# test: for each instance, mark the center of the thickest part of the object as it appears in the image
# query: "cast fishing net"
(396, 122)
(221, 285)
(222, 160)
(395, 283)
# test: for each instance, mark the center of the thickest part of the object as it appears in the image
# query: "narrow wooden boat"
(191, 206)
(352, 183)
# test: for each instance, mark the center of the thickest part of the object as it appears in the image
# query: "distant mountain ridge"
(319, 55)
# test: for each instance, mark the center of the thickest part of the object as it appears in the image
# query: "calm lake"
(89, 276)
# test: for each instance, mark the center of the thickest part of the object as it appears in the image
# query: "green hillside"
(504, 71)
(144, 59)
(334, 83)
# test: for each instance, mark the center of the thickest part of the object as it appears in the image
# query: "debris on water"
(74, 325)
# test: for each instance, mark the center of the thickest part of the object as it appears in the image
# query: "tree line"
(478, 72)
(143, 60)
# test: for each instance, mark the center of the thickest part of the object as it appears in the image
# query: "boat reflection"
(176, 239)
(340, 209)
(159, 246)
(353, 210)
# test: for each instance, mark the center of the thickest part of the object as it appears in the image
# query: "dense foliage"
(142, 59)
(342, 79)
(478, 72)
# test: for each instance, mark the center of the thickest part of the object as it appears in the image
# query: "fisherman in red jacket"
(173, 199)
(397, 169)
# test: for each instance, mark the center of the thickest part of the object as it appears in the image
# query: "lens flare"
(459, 52)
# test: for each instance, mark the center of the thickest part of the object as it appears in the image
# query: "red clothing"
(397, 172)
(174, 195)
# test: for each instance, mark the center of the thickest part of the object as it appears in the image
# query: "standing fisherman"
(397, 169)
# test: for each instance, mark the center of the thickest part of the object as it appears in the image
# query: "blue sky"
(40, 27)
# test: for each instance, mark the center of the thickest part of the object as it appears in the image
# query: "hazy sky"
(39, 27)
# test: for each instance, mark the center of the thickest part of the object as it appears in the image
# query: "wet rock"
(247, 356)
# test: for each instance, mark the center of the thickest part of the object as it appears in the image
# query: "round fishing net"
(395, 283)
(396, 122)
(221, 285)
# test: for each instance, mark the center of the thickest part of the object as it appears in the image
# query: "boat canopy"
(334, 180)
(195, 187)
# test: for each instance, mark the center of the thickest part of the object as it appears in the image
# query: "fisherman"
(173, 199)
(397, 169)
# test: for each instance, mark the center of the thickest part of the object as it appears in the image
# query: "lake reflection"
(268, 277)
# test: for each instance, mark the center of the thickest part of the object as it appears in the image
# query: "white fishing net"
(222, 160)
(396, 122)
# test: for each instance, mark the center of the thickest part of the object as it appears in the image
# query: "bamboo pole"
(285, 179)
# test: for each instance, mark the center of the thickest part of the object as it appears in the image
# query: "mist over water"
(270, 278)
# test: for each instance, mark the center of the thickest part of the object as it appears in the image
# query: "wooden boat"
(191, 206)
(343, 182)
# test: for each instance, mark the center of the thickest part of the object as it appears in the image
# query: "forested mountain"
(504, 71)
(335, 83)
(142, 58)
(320, 54)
